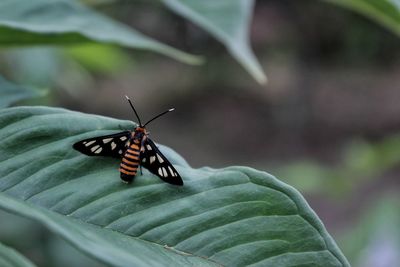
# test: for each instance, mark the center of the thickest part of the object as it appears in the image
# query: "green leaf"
(385, 12)
(69, 22)
(234, 216)
(104, 244)
(11, 258)
(11, 93)
(229, 22)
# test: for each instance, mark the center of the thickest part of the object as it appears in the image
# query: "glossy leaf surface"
(234, 216)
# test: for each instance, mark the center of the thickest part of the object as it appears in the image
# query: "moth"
(135, 149)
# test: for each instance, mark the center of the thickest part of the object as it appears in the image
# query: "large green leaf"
(11, 93)
(229, 22)
(234, 216)
(385, 12)
(105, 244)
(69, 22)
(11, 258)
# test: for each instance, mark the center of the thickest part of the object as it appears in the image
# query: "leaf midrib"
(177, 251)
(185, 253)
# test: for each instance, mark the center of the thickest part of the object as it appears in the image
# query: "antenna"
(159, 115)
(134, 110)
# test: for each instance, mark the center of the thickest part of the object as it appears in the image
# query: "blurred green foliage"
(11, 93)
(361, 160)
(386, 12)
(375, 238)
(66, 22)
(100, 59)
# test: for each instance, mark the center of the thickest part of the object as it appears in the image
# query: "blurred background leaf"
(385, 12)
(11, 258)
(11, 93)
(229, 22)
(69, 22)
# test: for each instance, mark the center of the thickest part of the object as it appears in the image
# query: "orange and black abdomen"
(130, 163)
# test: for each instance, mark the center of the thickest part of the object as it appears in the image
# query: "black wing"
(152, 159)
(113, 145)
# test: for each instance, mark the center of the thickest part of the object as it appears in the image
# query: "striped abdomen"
(130, 163)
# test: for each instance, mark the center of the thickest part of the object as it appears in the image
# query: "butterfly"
(135, 149)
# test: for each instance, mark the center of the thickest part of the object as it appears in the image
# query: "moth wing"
(113, 145)
(152, 159)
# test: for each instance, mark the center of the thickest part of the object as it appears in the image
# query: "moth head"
(140, 130)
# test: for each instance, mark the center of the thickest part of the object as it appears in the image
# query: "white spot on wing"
(160, 172)
(120, 151)
(123, 138)
(164, 172)
(94, 148)
(105, 141)
(152, 159)
(171, 171)
(144, 160)
(98, 150)
(160, 158)
(113, 146)
(148, 147)
(89, 143)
